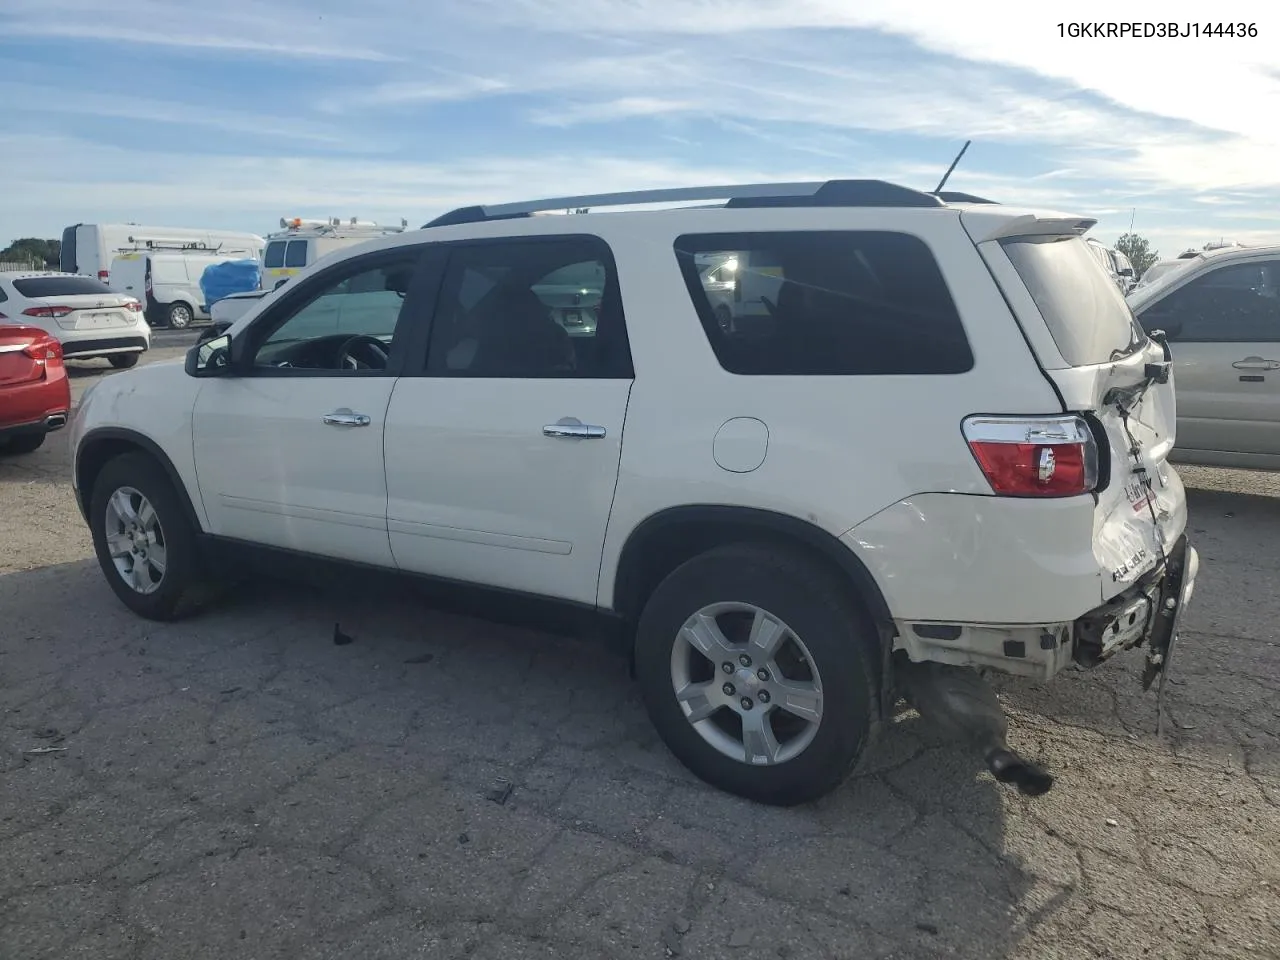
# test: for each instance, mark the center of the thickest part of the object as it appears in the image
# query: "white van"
(167, 283)
(300, 243)
(88, 248)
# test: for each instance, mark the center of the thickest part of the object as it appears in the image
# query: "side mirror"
(212, 358)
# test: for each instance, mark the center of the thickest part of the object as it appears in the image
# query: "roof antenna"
(943, 182)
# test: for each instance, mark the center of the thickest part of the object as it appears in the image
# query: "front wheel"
(757, 671)
(145, 542)
(179, 315)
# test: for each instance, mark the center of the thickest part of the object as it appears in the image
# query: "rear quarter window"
(1084, 309)
(816, 303)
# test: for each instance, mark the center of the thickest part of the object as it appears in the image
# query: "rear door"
(502, 454)
(1095, 353)
(1224, 329)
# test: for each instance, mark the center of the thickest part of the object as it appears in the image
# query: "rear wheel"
(23, 443)
(145, 542)
(179, 315)
(122, 361)
(757, 671)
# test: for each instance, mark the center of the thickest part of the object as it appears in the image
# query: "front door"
(289, 450)
(502, 454)
(1224, 333)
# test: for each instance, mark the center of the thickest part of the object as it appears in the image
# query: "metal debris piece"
(41, 751)
(500, 791)
(341, 639)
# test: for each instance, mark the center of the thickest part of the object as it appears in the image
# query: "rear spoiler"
(985, 225)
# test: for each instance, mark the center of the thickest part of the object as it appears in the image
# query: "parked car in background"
(1221, 314)
(1115, 263)
(167, 282)
(1156, 271)
(940, 447)
(35, 394)
(300, 243)
(87, 317)
(89, 248)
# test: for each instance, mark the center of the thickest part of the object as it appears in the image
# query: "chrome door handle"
(1256, 363)
(346, 418)
(573, 428)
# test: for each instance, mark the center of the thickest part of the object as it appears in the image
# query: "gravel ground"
(239, 786)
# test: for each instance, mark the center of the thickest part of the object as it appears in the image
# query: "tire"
(724, 317)
(23, 443)
(179, 315)
(183, 585)
(123, 361)
(815, 608)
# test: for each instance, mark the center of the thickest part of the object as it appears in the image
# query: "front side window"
(824, 303)
(530, 309)
(1235, 303)
(347, 324)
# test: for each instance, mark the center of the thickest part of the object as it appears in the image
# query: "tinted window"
(1236, 303)
(68, 286)
(1082, 306)
(530, 309)
(67, 252)
(367, 303)
(823, 303)
(273, 257)
(296, 255)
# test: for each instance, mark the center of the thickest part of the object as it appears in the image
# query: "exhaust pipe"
(55, 420)
(962, 704)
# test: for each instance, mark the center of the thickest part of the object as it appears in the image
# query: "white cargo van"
(167, 282)
(88, 248)
(300, 243)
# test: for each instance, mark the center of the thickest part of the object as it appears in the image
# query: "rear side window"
(67, 252)
(831, 303)
(69, 286)
(296, 255)
(273, 257)
(1082, 306)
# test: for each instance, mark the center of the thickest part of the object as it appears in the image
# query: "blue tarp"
(233, 276)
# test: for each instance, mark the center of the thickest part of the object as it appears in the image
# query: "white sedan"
(83, 313)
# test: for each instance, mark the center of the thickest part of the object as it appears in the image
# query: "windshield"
(1083, 308)
(68, 286)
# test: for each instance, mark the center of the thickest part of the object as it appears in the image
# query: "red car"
(35, 394)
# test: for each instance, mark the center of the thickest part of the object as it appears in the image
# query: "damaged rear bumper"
(1147, 614)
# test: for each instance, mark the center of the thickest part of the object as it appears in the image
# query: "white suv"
(932, 439)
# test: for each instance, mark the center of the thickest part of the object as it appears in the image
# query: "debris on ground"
(425, 658)
(341, 639)
(41, 751)
(928, 928)
(500, 791)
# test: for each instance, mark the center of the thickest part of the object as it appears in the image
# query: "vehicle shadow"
(516, 735)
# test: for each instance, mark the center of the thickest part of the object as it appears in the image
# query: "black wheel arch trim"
(824, 543)
(149, 446)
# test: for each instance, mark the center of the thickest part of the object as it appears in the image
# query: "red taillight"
(45, 350)
(133, 306)
(103, 274)
(1034, 456)
(49, 313)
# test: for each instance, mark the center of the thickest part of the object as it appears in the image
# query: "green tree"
(1139, 252)
(32, 250)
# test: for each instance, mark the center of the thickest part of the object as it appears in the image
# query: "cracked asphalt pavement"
(238, 786)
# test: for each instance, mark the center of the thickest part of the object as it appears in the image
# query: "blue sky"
(234, 113)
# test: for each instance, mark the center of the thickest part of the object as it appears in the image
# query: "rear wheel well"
(96, 452)
(663, 542)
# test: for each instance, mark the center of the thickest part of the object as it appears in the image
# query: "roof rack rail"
(953, 196)
(816, 193)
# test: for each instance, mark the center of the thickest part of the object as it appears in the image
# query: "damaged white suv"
(902, 438)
